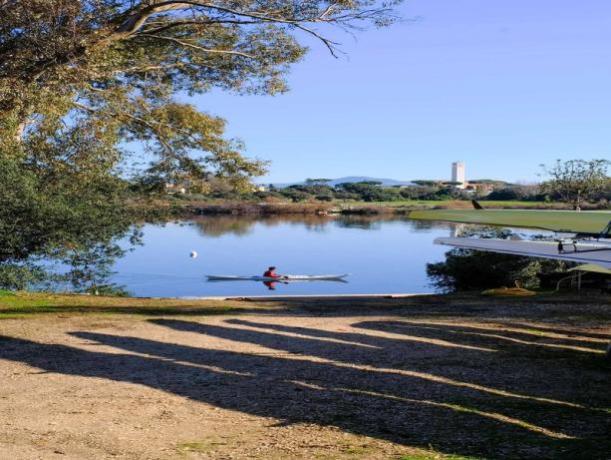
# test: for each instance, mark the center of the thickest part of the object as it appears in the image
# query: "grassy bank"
(587, 222)
(459, 204)
(186, 206)
(23, 304)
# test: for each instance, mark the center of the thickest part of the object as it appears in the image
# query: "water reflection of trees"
(467, 269)
(79, 261)
(215, 226)
(60, 206)
(90, 269)
(82, 257)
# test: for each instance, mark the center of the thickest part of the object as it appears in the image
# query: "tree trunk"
(19, 132)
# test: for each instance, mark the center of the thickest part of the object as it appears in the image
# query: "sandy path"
(285, 386)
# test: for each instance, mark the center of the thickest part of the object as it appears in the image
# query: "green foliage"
(54, 213)
(467, 270)
(104, 73)
(512, 193)
(575, 181)
(18, 277)
(80, 81)
(310, 181)
(371, 191)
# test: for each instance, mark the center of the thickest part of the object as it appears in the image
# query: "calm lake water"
(381, 256)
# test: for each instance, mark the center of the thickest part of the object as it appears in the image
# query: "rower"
(271, 273)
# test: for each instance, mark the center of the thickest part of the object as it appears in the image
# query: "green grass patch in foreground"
(570, 221)
(23, 304)
(196, 447)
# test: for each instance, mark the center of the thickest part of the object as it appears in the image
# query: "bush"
(467, 270)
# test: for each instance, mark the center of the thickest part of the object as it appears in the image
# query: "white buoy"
(193, 255)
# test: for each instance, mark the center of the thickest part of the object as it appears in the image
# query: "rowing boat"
(282, 278)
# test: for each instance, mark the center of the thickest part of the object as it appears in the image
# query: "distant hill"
(351, 179)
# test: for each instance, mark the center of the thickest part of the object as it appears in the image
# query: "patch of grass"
(199, 447)
(585, 221)
(455, 204)
(196, 446)
(22, 304)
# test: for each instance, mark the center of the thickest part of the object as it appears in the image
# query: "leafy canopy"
(577, 180)
(106, 72)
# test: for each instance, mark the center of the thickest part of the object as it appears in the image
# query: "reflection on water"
(85, 270)
(243, 225)
(381, 254)
(80, 260)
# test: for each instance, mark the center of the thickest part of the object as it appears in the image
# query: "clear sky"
(501, 85)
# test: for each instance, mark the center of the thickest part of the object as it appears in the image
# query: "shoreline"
(272, 298)
(184, 207)
(40, 302)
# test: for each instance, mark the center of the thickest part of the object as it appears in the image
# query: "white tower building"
(458, 174)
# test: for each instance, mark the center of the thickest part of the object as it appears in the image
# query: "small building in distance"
(458, 174)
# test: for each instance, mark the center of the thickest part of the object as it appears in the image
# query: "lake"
(381, 255)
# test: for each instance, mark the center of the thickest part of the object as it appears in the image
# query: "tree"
(465, 270)
(370, 191)
(108, 72)
(62, 217)
(575, 181)
(82, 80)
(310, 181)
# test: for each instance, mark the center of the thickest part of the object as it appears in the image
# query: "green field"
(559, 221)
(429, 204)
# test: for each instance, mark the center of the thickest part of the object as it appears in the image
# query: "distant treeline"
(371, 192)
(422, 190)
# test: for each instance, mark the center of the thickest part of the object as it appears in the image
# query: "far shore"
(178, 206)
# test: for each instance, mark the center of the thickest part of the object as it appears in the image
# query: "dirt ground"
(397, 379)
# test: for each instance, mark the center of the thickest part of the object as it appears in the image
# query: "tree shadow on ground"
(491, 363)
(548, 328)
(384, 387)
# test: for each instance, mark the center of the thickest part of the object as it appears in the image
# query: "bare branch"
(191, 45)
(137, 20)
(175, 24)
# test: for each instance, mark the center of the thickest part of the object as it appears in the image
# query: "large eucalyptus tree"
(82, 79)
(90, 74)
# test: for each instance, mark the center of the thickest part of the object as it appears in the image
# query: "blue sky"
(501, 85)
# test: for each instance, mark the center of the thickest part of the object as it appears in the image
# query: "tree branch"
(195, 23)
(191, 45)
(137, 20)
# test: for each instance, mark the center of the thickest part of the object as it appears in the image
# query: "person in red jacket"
(271, 273)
